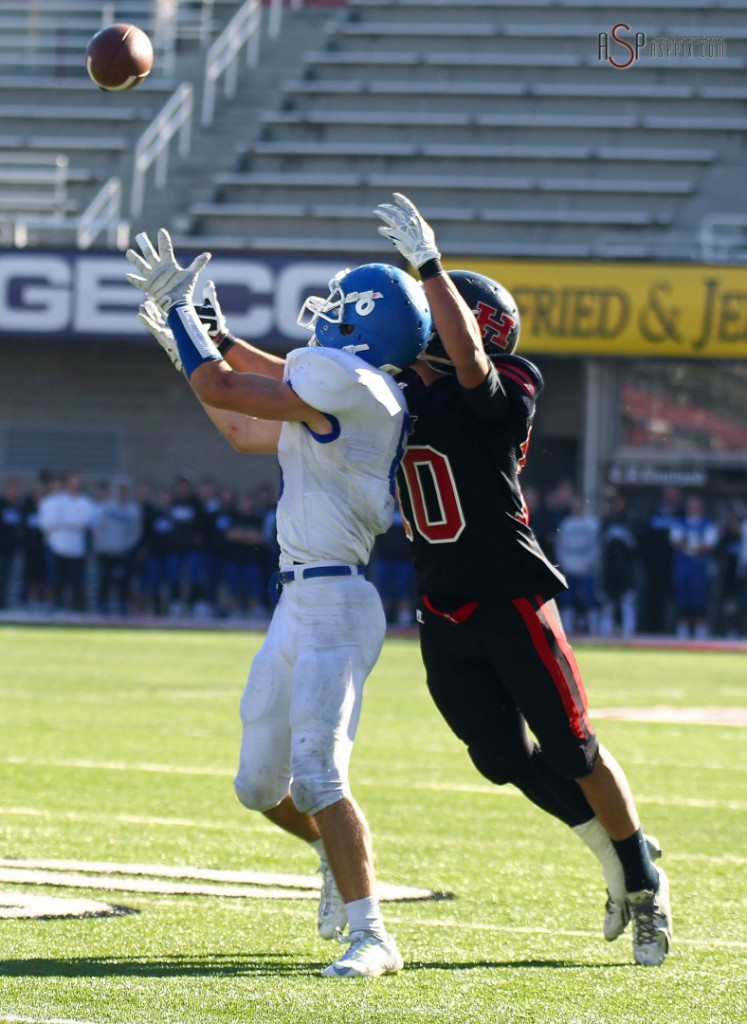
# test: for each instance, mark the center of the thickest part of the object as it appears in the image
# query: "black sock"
(639, 872)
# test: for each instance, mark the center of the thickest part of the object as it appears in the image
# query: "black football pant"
(508, 666)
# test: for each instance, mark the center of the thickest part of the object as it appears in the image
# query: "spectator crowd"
(198, 551)
(675, 569)
(205, 551)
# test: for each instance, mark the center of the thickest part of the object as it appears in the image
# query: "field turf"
(119, 747)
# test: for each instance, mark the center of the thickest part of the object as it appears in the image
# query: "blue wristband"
(192, 340)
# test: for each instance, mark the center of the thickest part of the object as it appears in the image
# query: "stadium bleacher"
(445, 104)
(499, 117)
(52, 116)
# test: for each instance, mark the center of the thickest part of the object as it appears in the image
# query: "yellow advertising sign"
(626, 309)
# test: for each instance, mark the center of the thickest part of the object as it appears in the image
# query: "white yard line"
(134, 819)
(228, 772)
(419, 922)
(676, 715)
(123, 766)
(126, 697)
(485, 789)
(479, 789)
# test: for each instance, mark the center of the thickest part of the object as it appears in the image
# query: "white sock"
(593, 835)
(365, 916)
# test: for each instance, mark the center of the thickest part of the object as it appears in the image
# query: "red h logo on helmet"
(494, 331)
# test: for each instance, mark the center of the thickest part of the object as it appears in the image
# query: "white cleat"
(652, 923)
(367, 957)
(617, 911)
(332, 917)
(616, 917)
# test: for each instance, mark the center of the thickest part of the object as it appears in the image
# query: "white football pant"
(302, 701)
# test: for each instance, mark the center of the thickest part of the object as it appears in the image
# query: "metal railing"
(243, 30)
(153, 145)
(276, 15)
(103, 214)
(48, 171)
(44, 176)
(164, 33)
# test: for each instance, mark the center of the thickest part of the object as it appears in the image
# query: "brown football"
(119, 57)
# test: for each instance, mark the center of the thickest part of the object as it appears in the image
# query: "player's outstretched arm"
(239, 354)
(458, 330)
(244, 433)
(168, 285)
(415, 239)
(214, 382)
(252, 394)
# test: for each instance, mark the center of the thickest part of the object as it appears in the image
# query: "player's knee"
(311, 792)
(494, 763)
(258, 794)
(572, 758)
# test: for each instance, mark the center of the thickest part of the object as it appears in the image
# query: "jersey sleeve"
(488, 402)
(320, 380)
(512, 381)
(338, 383)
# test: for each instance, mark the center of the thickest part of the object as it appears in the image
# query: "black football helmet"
(495, 312)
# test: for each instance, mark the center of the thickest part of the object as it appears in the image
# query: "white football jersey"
(337, 490)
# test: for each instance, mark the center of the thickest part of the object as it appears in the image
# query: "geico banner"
(624, 309)
(80, 295)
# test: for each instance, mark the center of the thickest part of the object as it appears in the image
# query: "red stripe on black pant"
(543, 622)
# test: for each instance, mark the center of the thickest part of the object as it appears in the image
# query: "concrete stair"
(238, 121)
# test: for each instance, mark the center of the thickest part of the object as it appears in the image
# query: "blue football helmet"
(376, 311)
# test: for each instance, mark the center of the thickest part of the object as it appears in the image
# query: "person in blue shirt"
(694, 538)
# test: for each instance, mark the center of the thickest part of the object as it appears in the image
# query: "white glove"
(159, 275)
(408, 230)
(154, 319)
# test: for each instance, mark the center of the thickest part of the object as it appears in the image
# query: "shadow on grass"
(215, 966)
(477, 965)
(254, 964)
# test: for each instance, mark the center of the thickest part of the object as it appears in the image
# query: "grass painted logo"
(156, 880)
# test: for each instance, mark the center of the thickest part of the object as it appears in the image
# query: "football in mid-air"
(119, 57)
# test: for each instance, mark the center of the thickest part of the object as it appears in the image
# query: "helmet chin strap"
(426, 358)
(439, 364)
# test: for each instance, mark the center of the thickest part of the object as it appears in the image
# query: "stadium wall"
(84, 387)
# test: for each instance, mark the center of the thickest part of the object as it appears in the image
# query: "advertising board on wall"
(567, 308)
(677, 311)
(84, 295)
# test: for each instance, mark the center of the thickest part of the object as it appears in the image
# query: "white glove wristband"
(192, 340)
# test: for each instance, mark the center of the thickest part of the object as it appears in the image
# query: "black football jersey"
(458, 486)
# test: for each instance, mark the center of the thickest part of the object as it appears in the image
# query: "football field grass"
(116, 765)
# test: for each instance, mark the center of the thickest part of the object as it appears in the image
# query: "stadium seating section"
(498, 117)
